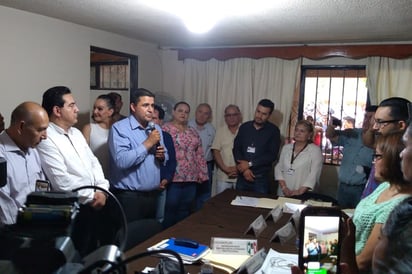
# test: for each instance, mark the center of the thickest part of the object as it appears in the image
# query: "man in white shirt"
(28, 127)
(207, 132)
(68, 161)
(222, 149)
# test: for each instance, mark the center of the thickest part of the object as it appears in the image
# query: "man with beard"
(255, 148)
(392, 115)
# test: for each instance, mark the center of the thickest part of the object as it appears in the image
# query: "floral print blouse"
(191, 164)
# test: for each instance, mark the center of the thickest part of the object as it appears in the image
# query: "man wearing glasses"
(69, 163)
(393, 115)
(222, 149)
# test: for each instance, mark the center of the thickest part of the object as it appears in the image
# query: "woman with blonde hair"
(300, 163)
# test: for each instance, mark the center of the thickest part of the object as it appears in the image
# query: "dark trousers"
(137, 205)
(92, 228)
(179, 202)
(260, 184)
(204, 190)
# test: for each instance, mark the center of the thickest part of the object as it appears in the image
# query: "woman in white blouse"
(97, 132)
(300, 163)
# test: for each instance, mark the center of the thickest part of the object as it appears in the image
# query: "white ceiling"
(289, 22)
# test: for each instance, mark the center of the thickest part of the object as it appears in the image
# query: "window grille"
(338, 93)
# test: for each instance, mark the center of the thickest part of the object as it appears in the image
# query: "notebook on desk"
(188, 254)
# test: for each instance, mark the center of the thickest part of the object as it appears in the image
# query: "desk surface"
(217, 218)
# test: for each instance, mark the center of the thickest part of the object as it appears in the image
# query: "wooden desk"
(218, 218)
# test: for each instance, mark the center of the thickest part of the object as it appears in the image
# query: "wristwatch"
(250, 164)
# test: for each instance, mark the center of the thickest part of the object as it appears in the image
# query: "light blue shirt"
(132, 166)
(23, 169)
(357, 158)
(207, 135)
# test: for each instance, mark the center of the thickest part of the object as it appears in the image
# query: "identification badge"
(42, 185)
(251, 149)
(290, 171)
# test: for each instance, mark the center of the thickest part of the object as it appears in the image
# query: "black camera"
(40, 241)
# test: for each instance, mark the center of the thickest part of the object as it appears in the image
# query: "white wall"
(39, 52)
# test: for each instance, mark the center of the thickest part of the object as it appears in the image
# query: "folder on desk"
(188, 254)
(226, 262)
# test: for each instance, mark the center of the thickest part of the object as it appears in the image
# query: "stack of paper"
(227, 262)
(263, 202)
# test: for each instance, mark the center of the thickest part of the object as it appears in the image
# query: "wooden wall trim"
(397, 51)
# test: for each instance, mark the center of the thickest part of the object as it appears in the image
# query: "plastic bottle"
(206, 268)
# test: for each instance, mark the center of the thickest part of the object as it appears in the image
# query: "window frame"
(301, 103)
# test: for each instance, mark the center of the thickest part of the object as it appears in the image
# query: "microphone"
(150, 128)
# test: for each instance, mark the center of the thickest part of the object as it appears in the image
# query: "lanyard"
(292, 158)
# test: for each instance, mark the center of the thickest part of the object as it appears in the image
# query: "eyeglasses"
(377, 156)
(383, 123)
(231, 114)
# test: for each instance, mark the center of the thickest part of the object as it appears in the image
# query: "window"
(333, 93)
(112, 70)
(109, 76)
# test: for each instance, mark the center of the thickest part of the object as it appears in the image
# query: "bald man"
(28, 127)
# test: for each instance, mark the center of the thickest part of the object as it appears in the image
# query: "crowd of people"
(162, 172)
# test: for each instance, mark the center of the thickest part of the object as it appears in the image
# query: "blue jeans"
(204, 190)
(260, 184)
(179, 202)
(349, 195)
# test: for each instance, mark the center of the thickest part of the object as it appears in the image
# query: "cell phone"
(319, 240)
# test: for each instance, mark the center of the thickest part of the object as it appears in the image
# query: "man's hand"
(163, 184)
(160, 153)
(242, 165)
(231, 171)
(152, 140)
(249, 176)
(99, 200)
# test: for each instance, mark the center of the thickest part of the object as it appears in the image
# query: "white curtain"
(243, 82)
(389, 77)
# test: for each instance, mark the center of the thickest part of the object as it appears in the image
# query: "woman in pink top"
(191, 166)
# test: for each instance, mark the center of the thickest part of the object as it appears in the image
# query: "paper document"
(262, 202)
(278, 263)
(227, 262)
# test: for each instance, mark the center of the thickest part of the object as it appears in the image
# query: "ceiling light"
(201, 16)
